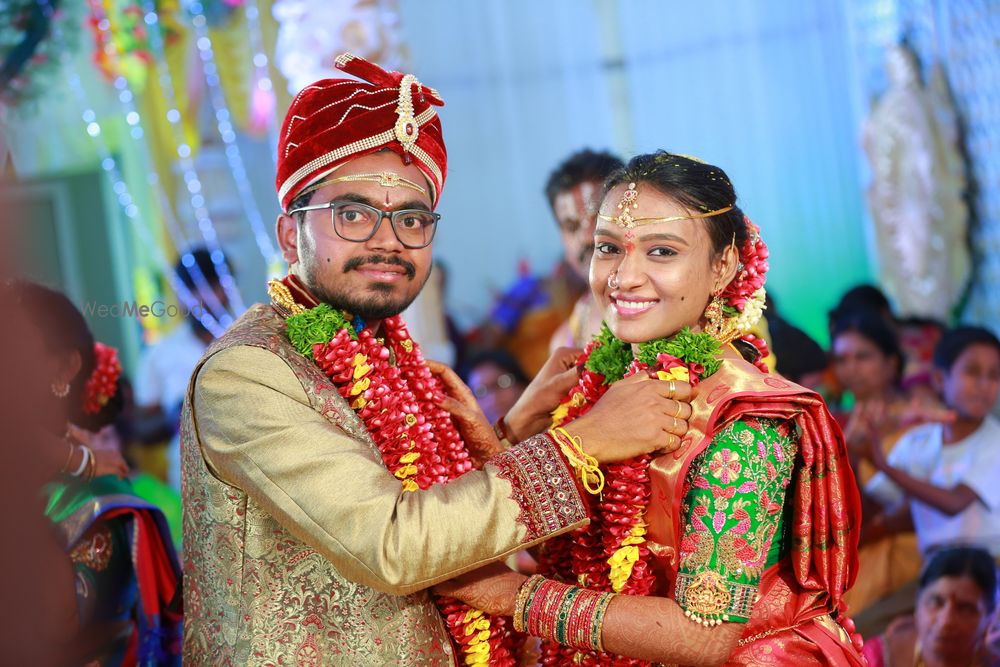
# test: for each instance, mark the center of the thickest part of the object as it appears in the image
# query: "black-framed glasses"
(354, 221)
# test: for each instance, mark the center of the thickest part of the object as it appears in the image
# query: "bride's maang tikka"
(629, 202)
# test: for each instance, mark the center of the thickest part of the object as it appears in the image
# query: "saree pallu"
(795, 620)
(791, 627)
(91, 517)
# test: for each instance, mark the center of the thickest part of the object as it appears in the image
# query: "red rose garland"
(611, 553)
(753, 274)
(417, 439)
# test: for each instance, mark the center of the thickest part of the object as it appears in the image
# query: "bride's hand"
(492, 588)
(532, 413)
(460, 403)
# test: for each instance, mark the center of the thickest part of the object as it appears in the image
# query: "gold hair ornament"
(626, 220)
(629, 200)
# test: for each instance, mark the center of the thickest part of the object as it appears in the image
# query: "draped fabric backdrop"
(962, 35)
(763, 89)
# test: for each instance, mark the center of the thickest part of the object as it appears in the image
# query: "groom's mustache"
(357, 262)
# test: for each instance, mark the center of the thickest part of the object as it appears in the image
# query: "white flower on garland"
(752, 311)
(313, 33)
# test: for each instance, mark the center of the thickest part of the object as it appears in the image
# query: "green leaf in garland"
(688, 346)
(611, 357)
(316, 326)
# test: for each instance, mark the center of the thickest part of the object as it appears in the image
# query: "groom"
(300, 545)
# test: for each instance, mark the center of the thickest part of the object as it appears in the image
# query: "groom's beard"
(368, 306)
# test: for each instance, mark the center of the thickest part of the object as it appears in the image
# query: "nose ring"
(613, 279)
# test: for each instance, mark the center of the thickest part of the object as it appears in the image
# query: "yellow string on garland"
(586, 465)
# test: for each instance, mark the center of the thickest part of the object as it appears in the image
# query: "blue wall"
(763, 89)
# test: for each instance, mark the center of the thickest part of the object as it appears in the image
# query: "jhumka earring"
(719, 326)
(60, 390)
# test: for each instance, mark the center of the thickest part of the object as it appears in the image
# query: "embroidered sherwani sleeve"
(733, 518)
(259, 432)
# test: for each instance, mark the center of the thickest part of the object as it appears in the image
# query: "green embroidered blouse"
(733, 513)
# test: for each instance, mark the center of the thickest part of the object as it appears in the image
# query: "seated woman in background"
(868, 363)
(956, 599)
(126, 573)
(946, 476)
(738, 547)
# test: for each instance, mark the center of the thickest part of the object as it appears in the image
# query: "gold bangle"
(527, 588)
(69, 459)
(598, 627)
(91, 464)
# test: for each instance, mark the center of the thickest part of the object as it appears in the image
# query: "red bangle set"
(569, 615)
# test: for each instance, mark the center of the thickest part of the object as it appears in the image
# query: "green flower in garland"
(611, 357)
(316, 326)
(690, 347)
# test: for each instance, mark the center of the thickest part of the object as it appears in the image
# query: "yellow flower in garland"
(679, 373)
(361, 383)
(477, 651)
(625, 557)
(576, 400)
(560, 413)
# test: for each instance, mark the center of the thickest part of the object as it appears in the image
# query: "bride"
(738, 547)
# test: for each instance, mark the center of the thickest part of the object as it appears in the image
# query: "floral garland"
(611, 553)
(744, 296)
(103, 381)
(417, 439)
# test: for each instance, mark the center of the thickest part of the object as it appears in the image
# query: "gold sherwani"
(300, 548)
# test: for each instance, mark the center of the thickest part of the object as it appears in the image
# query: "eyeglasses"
(358, 222)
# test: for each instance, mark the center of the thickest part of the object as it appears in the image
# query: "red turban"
(336, 120)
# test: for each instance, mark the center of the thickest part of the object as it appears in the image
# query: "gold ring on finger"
(672, 388)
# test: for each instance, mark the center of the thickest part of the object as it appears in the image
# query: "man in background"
(574, 192)
(540, 313)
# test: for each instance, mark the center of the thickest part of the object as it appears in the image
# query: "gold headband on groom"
(387, 179)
